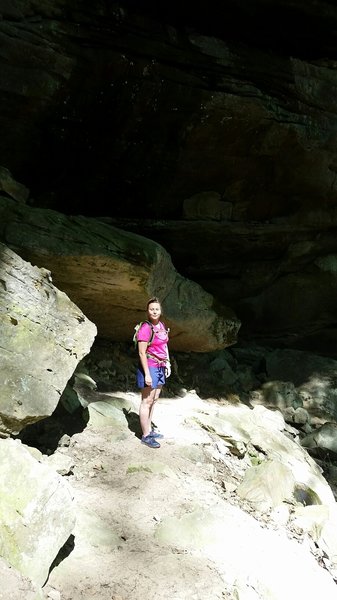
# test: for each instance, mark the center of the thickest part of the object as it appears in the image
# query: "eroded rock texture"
(37, 512)
(217, 125)
(110, 274)
(43, 337)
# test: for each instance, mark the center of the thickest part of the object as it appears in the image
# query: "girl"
(154, 368)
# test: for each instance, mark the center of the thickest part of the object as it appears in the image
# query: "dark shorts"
(157, 374)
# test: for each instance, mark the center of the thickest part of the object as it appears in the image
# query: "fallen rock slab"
(37, 511)
(110, 274)
(43, 337)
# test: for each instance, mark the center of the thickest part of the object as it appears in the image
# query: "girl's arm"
(168, 364)
(142, 347)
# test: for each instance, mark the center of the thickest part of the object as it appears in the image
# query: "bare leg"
(146, 409)
(156, 396)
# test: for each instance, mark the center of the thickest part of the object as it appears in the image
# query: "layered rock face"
(212, 133)
(111, 273)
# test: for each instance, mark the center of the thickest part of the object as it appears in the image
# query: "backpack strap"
(137, 328)
(152, 332)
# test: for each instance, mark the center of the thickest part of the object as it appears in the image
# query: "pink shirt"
(158, 347)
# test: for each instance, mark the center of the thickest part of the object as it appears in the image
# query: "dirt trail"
(122, 490)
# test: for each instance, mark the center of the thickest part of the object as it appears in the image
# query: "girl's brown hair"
(154, 299)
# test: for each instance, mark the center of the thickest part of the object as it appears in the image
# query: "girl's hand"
(167, 370)
(148, 380)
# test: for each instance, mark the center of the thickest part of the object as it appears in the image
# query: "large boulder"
(110, 274)
(43, 337)
(17, 586)
(37, 514)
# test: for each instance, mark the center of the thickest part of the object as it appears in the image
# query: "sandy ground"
(123, 490)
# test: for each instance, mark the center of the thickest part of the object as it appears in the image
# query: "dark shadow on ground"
(64, 552)
(133, 422)
(45, 435)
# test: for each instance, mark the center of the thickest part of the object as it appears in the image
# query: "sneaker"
(156, 434)
(150, 441)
